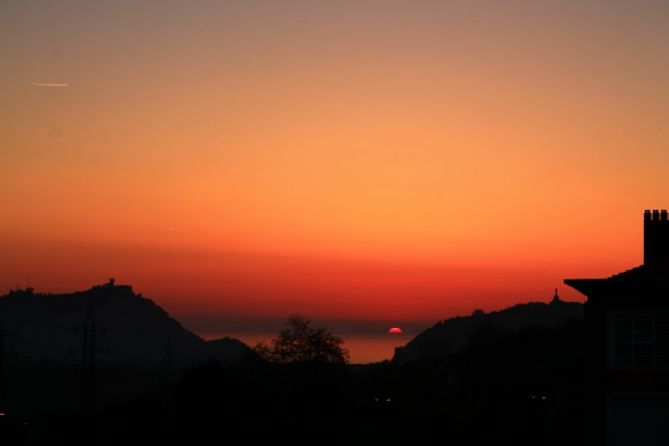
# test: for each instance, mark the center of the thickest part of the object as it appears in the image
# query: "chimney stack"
(655, 239)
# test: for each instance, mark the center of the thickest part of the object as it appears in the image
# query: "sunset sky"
(367, 163)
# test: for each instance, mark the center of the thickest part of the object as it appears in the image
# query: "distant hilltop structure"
(627, 323)
(110, 287)
(116, 289)
(19, 292)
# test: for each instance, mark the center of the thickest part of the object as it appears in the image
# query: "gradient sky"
(371, 163)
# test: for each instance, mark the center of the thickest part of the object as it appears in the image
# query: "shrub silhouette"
(298, 342)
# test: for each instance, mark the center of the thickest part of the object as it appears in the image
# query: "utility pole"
(4, 362)
(89, 334)
(3, 353)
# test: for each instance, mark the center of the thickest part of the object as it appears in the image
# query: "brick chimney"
(655, 239)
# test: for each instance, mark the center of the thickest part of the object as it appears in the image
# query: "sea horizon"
(364, 348)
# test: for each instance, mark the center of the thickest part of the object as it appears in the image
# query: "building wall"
(637, 419)
(637, 339)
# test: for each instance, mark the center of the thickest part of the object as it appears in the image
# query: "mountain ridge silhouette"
(128, 329)
(453, 335)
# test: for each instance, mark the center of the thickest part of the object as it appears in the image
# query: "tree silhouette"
(299, 342)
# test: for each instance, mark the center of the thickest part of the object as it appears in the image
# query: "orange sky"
(376, 160)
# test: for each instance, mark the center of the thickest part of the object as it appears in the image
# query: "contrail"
(48, 84)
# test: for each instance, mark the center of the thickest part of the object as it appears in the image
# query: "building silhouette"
(627, 320)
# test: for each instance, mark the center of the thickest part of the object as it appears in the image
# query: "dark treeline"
(521, 387)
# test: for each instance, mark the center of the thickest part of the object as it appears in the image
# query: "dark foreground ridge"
(107, 366)
(453, 335)
(114, 324)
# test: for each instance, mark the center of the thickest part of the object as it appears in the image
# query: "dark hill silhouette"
(129, 329)
(452, 335)
(503, 385)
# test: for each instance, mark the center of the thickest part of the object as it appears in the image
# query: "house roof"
(640, 279)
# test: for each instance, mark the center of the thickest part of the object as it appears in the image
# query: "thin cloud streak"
(48, 84)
